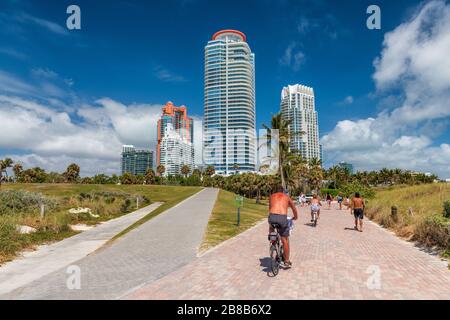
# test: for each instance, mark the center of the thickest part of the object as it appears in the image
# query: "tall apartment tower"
(175, 152)
(229, 126)
(136, 161)
(180, 122)
(298, 106)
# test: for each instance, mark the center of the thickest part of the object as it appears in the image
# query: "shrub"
(18, 201)
(333, 192)
(109, 200)
(447, 209)
(433, 231)
(9, 235)
(351, 188)
(55, 223)
(125, 207)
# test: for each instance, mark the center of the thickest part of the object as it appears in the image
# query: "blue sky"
(130, 57)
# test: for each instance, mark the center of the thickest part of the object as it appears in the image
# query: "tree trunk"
(283, 182)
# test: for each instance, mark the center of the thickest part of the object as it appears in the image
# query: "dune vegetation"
(422, 213)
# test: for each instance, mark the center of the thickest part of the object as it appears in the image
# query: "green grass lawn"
(222, 224)
(55, 225)
(426, 223)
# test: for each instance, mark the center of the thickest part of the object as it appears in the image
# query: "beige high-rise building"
(298, 105)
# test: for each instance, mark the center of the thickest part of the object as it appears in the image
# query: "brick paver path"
(329, 262)
(154, 249)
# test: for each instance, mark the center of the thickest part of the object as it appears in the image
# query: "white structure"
(229, 127)
(297, 105)
(175, 152)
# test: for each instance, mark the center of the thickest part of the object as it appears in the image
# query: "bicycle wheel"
(275, 265)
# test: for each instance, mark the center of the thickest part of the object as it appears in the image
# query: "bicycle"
(276, 249)
(314, 217)
(315, 213)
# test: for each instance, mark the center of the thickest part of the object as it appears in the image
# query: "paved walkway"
(48, 258)
(329, 262)
(154, 249)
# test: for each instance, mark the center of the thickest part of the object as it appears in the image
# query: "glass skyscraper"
(298, 106)
(347, 166)
(229, 104)
(136, 161)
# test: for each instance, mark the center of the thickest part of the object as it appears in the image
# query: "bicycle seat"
(275, 225)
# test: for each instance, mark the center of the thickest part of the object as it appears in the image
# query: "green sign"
(239, 200)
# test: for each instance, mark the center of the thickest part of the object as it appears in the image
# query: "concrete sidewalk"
(152, 250)
(48, 258)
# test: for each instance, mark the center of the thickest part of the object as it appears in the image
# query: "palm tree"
(17, 169)
(260, 184)
(396, 175)
(72, 172)
(384, 175)
(4, 165)
(149, 177)
(127, 178)
(333, 174)
(210, 170)
(282, 125)
(160, 169)
(185, 170)
(300, 171)
(315, 173)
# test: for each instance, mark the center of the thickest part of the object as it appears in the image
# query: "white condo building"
(229, 127)
(175, 151)
(297, 105)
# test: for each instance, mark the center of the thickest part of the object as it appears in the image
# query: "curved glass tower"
(229, 115)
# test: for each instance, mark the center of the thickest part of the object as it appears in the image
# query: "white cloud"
(325, 26)
(51, 134)
(97, 139)
(89, 166)
(347, 101)
(165, 75)
(292, 57)
(413, 63)
(13, 53)
(46, 24)
(11, 84)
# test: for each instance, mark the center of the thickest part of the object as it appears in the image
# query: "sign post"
(239, 200)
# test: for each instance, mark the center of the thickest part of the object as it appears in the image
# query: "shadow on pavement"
(310, 224)
(266, 263)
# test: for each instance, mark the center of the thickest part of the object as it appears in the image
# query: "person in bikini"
(315, 207)
(329, 199)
